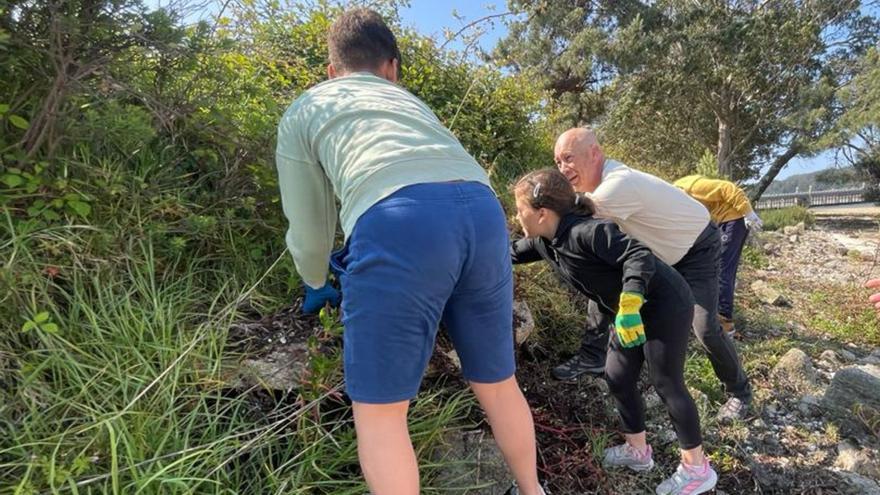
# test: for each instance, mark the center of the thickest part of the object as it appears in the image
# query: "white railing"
(813, 198)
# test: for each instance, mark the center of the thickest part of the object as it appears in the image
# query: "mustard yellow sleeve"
(738, 200)
(715, 192)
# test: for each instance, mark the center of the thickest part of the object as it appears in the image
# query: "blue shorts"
(427, 252)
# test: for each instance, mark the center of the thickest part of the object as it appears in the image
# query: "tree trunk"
(44, 121)
(778, 164)
(724, 149)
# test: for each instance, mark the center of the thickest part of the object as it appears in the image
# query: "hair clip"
(536, 191)
(577, 199)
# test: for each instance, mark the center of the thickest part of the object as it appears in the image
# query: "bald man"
(678, 230)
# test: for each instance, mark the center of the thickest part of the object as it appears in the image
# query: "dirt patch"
(262, 335)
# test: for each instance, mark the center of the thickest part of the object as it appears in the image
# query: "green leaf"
(49, 328)
(80, 207)
(42, 317)
(3, 108)
(12, 180)
(51, 215)
(19, 122)
(28, 326)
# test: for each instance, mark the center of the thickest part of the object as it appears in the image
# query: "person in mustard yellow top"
(729, 207)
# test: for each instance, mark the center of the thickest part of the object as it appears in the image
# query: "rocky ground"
(810, 344)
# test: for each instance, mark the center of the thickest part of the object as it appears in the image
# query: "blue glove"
(316, 298)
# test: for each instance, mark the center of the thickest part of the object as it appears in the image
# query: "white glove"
(753, 222)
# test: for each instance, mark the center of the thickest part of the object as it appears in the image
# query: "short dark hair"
(359, 39)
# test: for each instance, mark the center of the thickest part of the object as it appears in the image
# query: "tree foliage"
(754, 82)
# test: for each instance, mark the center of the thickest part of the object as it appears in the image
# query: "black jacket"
(600, 261)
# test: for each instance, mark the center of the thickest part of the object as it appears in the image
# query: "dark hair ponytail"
(583, 204)
(548, 188)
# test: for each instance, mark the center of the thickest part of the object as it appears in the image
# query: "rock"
(830, 358)
(759, 424)
(867, 255)
(800, 228)
(790, 230)
(652, 400)
(855, 460)
(769, 478)
(842, 250)
(453, 356)
(810, 405)
(281, 369)
(871, 360)
(828, 355)
(468, 459)
(794, 239)
(523, 321)
(847, 356)
(851, 387)
(771, 249)
(769, 295)
(860, 484)
(667, 436)
(794, 371)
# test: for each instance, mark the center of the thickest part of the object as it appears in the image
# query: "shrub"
(777, 219)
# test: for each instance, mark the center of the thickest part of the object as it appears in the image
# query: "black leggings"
(665, 351)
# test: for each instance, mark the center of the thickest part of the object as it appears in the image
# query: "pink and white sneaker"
(689, 480)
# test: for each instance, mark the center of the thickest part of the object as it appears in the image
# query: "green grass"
(778, 218)
(754, 258)
(118, 384)
(127, 397)
(113, 350)
(860, 327)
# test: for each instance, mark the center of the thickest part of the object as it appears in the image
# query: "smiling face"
(578, 156)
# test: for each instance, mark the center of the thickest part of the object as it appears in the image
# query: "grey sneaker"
(577, 366)
(687, 481)
(735, 409)
(627, 456)
(514, 490)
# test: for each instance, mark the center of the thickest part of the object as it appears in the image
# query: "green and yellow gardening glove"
(628, 323)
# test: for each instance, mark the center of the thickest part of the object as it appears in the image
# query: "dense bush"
(141, 216)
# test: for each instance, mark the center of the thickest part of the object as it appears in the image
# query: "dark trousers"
(700, 268)
(664, 353)
(733, 238)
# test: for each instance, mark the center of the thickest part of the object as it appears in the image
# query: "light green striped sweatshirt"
(362, 138)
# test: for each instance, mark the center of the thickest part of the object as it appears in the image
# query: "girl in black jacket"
(653, 309)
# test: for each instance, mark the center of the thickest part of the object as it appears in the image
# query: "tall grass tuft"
(113, 351)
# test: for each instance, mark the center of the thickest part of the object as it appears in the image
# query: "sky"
(430, 18)
(434, 18)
